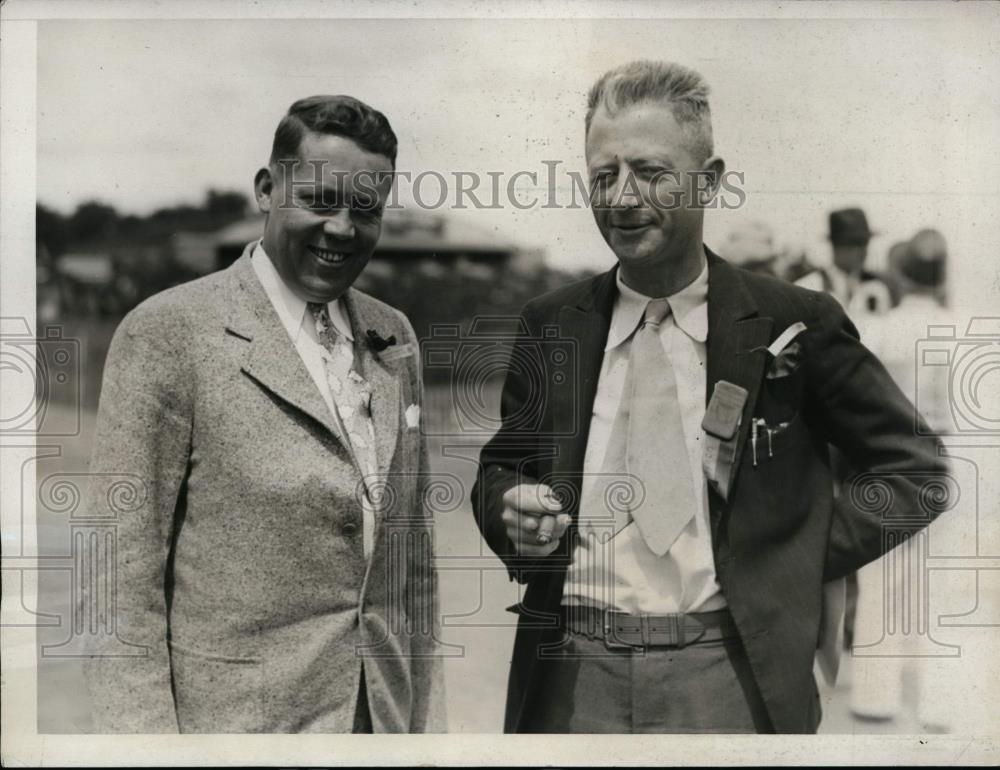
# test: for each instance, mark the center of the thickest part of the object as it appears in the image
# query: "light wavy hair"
(683, 89)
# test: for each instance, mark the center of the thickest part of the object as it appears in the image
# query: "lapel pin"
(377, 342)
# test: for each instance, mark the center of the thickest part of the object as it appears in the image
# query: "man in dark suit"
(662, 486)
(860, 291)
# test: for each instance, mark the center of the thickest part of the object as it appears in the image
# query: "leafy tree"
(223, 204)
(93, 221)
(51, 229)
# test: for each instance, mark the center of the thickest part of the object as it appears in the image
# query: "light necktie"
(656, 450)
(352, 394)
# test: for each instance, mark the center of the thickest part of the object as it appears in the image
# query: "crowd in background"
(892, 310)
(913, 265)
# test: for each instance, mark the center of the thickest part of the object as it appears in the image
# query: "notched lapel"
(585, 325)
(386, 402)
(737, 342)
(751, 336)
(271, 359)
(581, 368)
(276, 365)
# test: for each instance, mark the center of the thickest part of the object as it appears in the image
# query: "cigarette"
(545, 526)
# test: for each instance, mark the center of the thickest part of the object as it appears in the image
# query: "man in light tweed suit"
(277, 575)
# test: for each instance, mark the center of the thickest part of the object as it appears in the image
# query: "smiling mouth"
(327, 256)
(630, 226)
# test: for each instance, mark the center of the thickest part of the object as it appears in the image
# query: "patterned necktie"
(352, 394)
(656, 450)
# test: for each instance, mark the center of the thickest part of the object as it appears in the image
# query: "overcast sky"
(898, 116)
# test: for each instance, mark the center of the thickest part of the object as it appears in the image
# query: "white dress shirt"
(298, 322)
(625, 574)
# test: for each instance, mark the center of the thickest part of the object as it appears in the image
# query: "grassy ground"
(475, 590)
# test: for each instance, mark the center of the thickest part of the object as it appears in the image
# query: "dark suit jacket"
(781, 534)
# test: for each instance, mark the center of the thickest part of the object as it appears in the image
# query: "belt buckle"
(608, 629)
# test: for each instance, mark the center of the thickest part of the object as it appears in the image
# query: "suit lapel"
(737, 341)
(271, 359)
(585, 324)
(385, 404)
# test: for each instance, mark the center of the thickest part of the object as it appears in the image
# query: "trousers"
(702, 688)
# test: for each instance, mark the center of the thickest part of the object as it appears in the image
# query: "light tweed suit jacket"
(243, 599)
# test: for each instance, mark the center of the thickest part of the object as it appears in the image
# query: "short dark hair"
(338, 115)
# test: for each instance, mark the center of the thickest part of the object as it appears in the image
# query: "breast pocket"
(780, 398)
(217, 693)
(782, 438)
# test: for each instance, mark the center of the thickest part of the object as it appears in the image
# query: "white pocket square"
(396, 351)
(412, 417)
(784, 339)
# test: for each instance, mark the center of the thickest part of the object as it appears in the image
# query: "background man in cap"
(267, 580)
(857, 290)
(861, 293)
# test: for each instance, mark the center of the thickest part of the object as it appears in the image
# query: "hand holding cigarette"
(534, 519)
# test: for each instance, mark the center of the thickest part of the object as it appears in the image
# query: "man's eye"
(320, 202)
(665, 175)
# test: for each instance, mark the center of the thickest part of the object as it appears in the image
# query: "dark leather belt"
(623, 630)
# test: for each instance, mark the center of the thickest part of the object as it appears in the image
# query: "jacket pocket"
(781, 398)
(784, 437)
(217, 693)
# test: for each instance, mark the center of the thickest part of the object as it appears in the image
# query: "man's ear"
(712, 171)
(263, 188)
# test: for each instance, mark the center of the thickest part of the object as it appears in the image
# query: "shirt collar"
(291, 308)
(688, 308)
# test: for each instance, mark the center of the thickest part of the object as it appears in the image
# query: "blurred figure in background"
(792, 262)
(894, 278)
(858, 290)
(751, 246)
(861, 293)
(877, 691)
